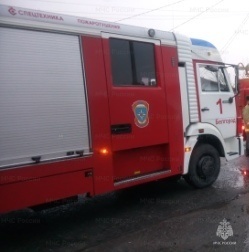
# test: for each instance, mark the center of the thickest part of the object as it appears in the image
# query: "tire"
(204, 166)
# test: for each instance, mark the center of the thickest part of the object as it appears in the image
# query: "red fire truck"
(241, 102)
(89, 107)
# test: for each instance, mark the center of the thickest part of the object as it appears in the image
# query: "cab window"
(132, 63)
(213, 78)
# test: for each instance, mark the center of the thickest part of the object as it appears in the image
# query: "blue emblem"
(141, 112)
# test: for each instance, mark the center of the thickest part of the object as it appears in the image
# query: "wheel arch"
(212, 140)
(194, 139)
(210, 134)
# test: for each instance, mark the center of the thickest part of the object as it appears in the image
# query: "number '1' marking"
(219, 102)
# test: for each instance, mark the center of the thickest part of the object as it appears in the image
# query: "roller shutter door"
(43, 106)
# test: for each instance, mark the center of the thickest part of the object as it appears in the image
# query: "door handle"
(205, 109)
(121, 129)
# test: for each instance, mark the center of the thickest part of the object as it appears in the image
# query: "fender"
(198, 129)
(189, 142)
(193, 131)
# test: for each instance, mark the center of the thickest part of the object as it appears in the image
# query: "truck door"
(137, 105)
(214, 93)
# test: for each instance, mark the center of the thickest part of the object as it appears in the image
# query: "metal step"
(232, 153)
(141, 177)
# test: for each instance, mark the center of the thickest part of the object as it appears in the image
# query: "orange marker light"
(104, 151)
(187, 149)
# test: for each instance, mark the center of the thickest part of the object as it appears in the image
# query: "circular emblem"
(141, 112)
(12, 11)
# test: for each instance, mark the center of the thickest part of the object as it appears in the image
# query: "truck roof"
(17, 16)
(201, 42)
(75, 23)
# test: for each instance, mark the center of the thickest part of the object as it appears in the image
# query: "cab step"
(232, 153)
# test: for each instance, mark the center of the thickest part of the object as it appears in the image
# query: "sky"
(224, 23)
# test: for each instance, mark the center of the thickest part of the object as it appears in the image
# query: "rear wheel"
(204, 166)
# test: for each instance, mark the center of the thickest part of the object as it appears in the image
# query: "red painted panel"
(99, 113)
(43, 190)
(174, 109)
(18, 174)
(134, 162)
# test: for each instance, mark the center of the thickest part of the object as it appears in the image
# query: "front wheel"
(204, 166)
